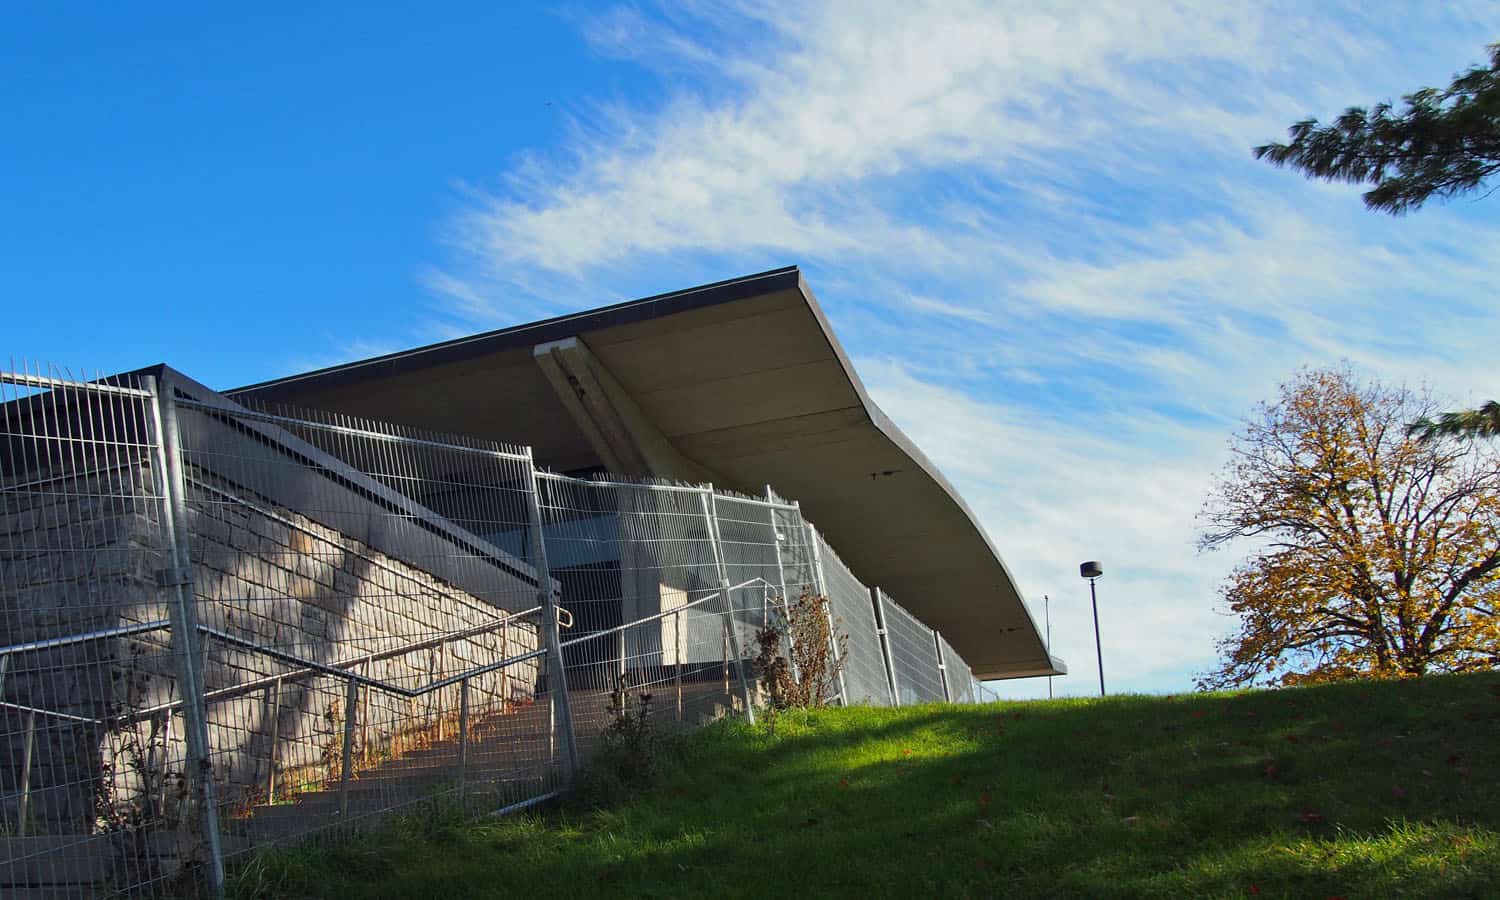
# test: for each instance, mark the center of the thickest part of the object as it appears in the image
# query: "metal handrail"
(338, 669)
(353, 680)
(366, 680)
(450, 680)
(83, 637)
(310, 667)
(661, 615)
(36, 710)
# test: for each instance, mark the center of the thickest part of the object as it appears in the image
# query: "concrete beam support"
(626, 440)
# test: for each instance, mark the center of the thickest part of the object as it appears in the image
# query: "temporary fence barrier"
(865, 679)
(915, 669)
(227, 627)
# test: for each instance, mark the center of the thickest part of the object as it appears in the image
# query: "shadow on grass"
(1346, 790)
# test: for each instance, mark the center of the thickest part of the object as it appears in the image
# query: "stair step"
(514, 748)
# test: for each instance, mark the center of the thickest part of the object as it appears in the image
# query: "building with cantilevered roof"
(741, 383)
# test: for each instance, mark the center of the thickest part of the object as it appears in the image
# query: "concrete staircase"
(509, 756)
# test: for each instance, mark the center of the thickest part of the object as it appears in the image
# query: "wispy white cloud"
(1038, 228)
(857, 94)
(1119, 487)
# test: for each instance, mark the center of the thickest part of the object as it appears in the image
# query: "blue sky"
(1036, 227)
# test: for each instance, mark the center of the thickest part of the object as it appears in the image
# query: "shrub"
(627, 759)
(806, 675)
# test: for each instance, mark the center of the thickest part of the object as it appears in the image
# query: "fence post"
(364, 721)
(166, 749)
(786, 600)
(346, 763)
(463, 738)
(187, 643)
(776, 535)
(23, 810)
(885, 644)
(442, 671)
(677, 658)
(504, 676)
(810, 534)
(562, 709)
(710, 515)
(937, 648)
(275, 689)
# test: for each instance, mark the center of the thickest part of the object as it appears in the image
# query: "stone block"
(277, 532)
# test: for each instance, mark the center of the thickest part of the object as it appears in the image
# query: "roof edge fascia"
(543, 331)
(896, 436)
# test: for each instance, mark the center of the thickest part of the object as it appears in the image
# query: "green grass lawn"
(1359, 790)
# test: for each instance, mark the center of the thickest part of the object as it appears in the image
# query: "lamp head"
(1091, 569)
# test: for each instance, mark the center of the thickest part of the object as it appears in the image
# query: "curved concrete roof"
(741, 379)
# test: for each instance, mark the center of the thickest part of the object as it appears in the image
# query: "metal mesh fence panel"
(865, 677)
(97, 793)
(913, 657)
(639, 568)
(796, 555)
(751, 555)
(956, 672)
(360, 588)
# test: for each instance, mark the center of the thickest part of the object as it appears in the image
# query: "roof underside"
(745, 378)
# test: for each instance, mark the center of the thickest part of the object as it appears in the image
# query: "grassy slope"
(1355, 790)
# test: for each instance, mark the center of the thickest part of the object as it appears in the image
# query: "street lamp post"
(1047, 614)
(1092, 570)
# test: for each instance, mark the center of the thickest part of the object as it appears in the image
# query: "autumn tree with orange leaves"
(1376, 554)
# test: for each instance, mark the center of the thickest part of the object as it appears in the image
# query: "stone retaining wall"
(82, 553)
